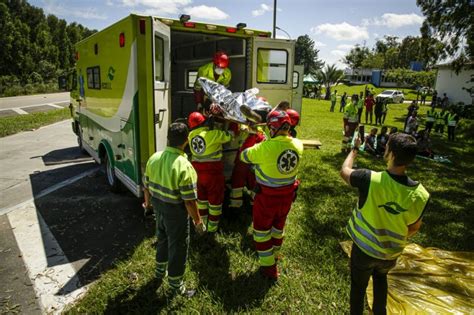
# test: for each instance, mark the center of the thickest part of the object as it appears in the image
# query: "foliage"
(411, 78)
(328, 76)
(35, 47)
(14, 124)
(356, 56)
(307, 55)
(315, 275)
(453, 22)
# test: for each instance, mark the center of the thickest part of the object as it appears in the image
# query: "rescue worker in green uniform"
(430, 119)
(170, 187)
(389, 211)
(452, 120)
(440, 120)
(217, 71)
(333, 100)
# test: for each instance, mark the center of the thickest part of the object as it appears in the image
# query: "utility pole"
(274, 17)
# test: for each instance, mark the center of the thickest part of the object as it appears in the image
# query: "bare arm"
(191, 206)
(346, 168)
(413, 228)
(146, 197)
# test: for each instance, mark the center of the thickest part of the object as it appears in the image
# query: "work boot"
(182, 291)
(270, 272)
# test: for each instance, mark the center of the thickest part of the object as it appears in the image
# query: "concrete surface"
(24, 105)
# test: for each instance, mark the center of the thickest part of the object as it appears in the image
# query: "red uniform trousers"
(242, 174)
(270, 209)
(210, 187)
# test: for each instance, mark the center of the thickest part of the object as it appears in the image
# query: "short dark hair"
(403, 148)
(177, 134)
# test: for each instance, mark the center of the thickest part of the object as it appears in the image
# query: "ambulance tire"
(112, 180)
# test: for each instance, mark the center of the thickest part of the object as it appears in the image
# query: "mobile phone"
(361, 133)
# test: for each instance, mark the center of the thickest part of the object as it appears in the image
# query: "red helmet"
(221, 59)
(294, 116)
(195, 119)
(277, 118)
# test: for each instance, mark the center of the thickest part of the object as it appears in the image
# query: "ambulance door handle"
(158, 117)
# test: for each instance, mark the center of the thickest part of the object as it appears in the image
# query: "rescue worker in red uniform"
(276, 162)
(242, 175)
(217, 71)
(206, 149)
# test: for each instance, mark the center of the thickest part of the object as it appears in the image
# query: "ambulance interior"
(189, 51)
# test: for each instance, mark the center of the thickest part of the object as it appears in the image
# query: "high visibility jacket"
(351, 113)
(380, 227)
(170, 177)
(360, 104)
(431, 115)
(276, 160)
(452, 119)
(333, 97)
(207, 71)
(441, 118)
(206, 145)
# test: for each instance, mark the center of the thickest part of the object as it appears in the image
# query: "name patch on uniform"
(287, 161)
(198, 144)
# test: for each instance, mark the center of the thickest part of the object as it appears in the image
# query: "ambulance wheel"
(112, 179)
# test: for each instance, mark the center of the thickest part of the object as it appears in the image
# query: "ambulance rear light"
(189, 24)
(231, 30)
(122, 39)
(142, 26)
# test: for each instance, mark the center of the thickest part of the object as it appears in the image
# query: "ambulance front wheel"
(112, 179)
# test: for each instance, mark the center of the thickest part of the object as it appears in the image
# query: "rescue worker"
(440, 121)
(430, 119)
(206, 149)
(170, 187)
(217, 71)
(333, 100)
(242, 175)
(295, 119)
(351, 120)
(389, 211)
(276, 161)
(452, 120)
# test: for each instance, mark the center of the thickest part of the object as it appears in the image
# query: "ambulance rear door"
(296, 102)
(272, 68)
(161, 82)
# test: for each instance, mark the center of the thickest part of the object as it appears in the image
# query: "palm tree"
(329, 76)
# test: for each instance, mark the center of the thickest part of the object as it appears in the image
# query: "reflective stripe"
(236, 203)
(362, 245)
(276, 233)
(202, 204)
(188, 187)
(236, 192)
(265, 253)
(165, 190)
(190, 196)
(159, 196)
(245, 156)
(216, 156)
(273, 182)
(266, 258)
(215, 210)
(380, 232)
(382, 244)
(261, 236)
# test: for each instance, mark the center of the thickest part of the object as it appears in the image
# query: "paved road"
(23, 105)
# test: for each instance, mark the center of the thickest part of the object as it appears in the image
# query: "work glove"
(200, 228)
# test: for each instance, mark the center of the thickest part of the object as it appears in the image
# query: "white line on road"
(19, 111)
(53, 105)
(36, 105)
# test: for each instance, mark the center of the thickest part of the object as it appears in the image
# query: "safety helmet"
(195, 119)
(277, 119)
(221, 59)
(294, 117)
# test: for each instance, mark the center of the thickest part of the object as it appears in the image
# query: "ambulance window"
(296, 79)
(93, 78)
(159, 59)
(272, 66)
(191, 78)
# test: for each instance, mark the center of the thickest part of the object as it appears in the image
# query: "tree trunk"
(328, 93)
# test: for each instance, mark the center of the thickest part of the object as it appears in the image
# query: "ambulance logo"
(198, 144)
(287, 161)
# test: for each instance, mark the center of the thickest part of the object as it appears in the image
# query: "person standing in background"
(369, 107)
(343, 102)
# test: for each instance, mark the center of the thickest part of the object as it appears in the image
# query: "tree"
(387, 42)
(356, 56)
(374, 61)
(406, 77)
(453, 22)
(329, 76)
(307, 55)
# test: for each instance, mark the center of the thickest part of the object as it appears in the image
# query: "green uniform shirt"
(276, 160)
(206, 145)
(431, 115)
(207, 71)
(351, 113)
(441, 118)
(333, 97)
(170, 177)
(380, 227)
(360, 104)
(452, 119)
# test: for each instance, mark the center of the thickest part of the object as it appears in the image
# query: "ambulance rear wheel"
(112, 179)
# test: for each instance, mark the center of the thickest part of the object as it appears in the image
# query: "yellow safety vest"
(380, 227)
(206, 145)
(276, 160)
(441, 118)
(452, 120)
(351, 113)
(207, 71)
(431, 115)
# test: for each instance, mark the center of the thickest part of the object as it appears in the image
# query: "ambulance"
(135, 77)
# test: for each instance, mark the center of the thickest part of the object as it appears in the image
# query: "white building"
(447, 81)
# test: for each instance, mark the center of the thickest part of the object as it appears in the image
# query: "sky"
(334, 25)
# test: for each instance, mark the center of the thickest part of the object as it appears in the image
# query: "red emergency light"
(189, 24)
(231, 30)
(122, 39)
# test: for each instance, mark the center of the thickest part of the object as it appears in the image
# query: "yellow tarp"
(428, 281)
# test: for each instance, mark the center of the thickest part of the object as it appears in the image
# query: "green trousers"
(172, 231)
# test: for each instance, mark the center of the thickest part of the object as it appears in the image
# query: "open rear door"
(296, 102)
(272, 68)
(161, 72)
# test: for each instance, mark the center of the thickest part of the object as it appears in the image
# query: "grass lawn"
(14, 124)
(314, 271)
(410, 94)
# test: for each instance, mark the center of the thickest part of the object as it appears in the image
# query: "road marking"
(53, 105)
(19, 111)
(36, 105)
(50, 190)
